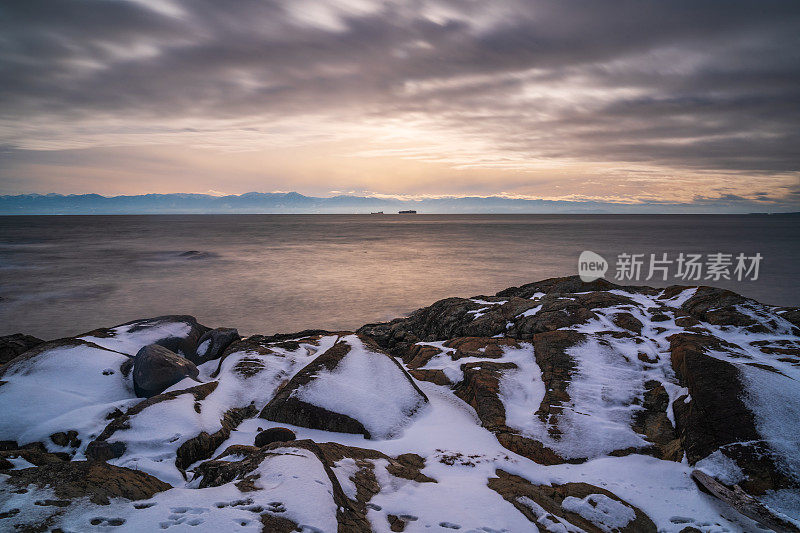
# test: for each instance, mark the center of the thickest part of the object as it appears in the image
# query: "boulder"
(170, 431)
(444, 319)
(66, 439)
(100, 450)
(653, 422)
(156, 368)
(99, 481)
(480, 389)
(213, 344)
(321, 395)
(419, 355)
(14, 345)
(629, 322)
(715, 415)
(279, 434)
(434, 375)
(240, 464)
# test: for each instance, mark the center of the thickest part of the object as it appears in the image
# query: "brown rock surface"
(97, 480)
(550, 498)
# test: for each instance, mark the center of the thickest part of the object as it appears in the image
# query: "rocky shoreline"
(559, 405)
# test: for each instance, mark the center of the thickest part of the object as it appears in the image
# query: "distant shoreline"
(295, 203)
(401, 216)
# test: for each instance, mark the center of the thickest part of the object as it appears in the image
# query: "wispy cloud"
(617, 100)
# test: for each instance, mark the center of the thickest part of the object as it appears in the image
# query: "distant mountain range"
(293, 202)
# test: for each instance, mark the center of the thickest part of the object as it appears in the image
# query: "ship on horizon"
(407, 212)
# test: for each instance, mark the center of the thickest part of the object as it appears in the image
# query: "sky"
(619, 101)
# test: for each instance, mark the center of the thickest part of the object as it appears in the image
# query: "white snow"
(722, 467)
(487, 302)
(366, 386)
(548, 521)
(530, 312)
(602, 511)
(274, 369)
(203, 347)
(61, 389)
(345, 470)
(293, 485)
(597, 418)
(151, 444)
(296, 478)
(19, 463)
(522, 389)
(129, 342)
(478, 312)
(681, 298)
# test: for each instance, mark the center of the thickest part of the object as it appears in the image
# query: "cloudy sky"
(624, 101)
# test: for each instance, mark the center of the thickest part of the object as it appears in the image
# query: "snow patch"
(130, 342)
(604, 512)
(550, 522)
(722, 467)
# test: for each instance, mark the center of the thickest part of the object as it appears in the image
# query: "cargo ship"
(408, 212)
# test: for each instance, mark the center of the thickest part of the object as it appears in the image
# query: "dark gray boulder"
(155, 369)
(268, 436)
(213, 343)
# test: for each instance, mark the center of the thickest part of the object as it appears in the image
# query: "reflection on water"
(270, 273)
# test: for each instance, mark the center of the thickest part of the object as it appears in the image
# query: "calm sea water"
(63, 275)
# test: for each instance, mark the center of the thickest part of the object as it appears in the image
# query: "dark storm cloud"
(686, 84)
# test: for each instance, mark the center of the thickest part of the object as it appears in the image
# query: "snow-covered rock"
(558, 405)
(61, 386)
(353, 388)
(178, 333)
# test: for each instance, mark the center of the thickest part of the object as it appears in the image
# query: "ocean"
(64, 275)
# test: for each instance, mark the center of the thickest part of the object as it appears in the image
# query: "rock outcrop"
(558, 405)
(99, 481)
(12, 346)
(579, 505)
